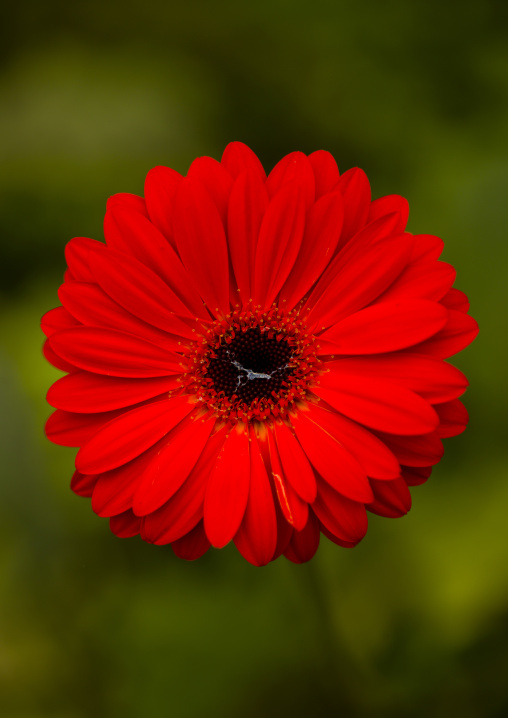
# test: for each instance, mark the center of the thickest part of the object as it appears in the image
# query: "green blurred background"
(412, 622)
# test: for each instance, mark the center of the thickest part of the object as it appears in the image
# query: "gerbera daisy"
(255, 359)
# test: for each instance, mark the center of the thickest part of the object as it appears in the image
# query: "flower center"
(253, 365)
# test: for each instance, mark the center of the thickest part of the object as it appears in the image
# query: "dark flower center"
(252, 366)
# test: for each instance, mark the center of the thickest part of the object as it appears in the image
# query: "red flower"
(257, 359)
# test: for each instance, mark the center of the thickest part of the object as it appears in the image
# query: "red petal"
(56, 320)
(326, 172)
(359, 274)
(130, 201)
(294, 169)
(421, 280)
(91, 393)
(56, 360)
(385, 327)
(296, 511)
(114, 491)
(391, 498)
(335, 464)
(193, 545)
(455, 299)
(215, 178)
(284, 529)
(279, 241)
(69, 429)
(370, 452)
(228, 490)
(426, 247)
(160, 189)
(432, 378)
(125, 525)
(256, 539)
(105, 351)
(139, 290)
(459, 331)
(284, 532)
(390, 204)
(295, 464)
(321, 235)
(376, 403)
(345, 519)
(237, 158)
(304, 544)
(370, 237)
(129, 232)
(453, 418)
(355, 188)
(83, 484)
(93, 308)
(247, 206)
(174, 462)
(335, 539)
(76, 256)
(184, 510)
(132, 433)
(201, 242)
(424, 450)
(415, 476)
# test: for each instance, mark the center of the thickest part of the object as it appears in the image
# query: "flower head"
(257, 359)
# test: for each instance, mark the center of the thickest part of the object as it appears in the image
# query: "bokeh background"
(412, 622)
